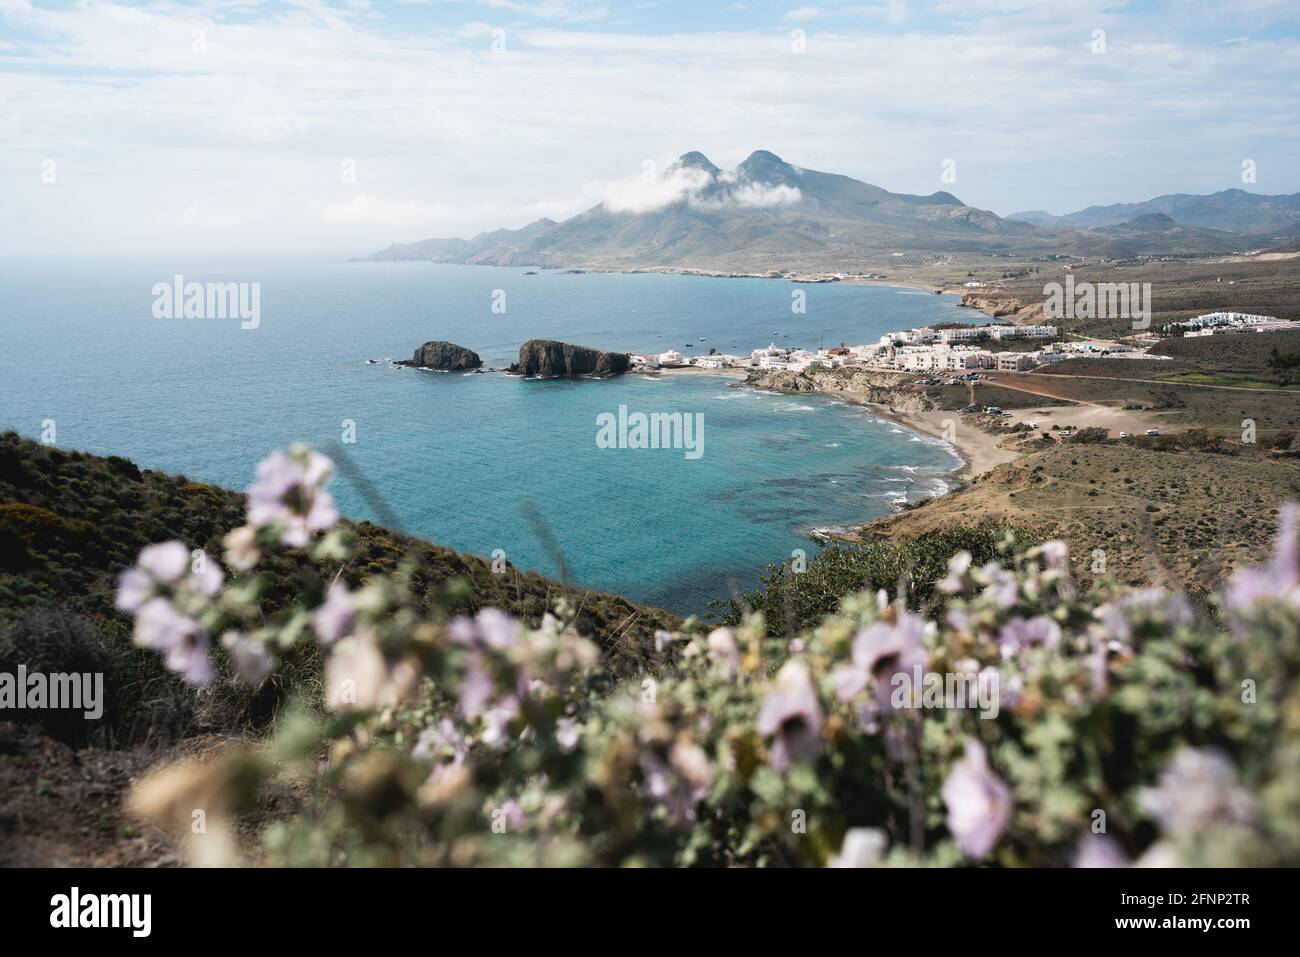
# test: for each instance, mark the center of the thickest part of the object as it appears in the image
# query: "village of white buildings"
(959, 349)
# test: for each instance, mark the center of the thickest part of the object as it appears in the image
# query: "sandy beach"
(979, 450)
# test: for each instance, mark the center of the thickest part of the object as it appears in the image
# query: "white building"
(1022, 332)
(1016, 361)
(1226, 319)
(670, 358)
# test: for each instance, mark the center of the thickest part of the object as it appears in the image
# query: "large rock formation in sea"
(444, 356)
(550, 359)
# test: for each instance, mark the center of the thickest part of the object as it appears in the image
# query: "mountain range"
(769, 215)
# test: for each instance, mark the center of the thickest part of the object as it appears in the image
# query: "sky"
(336, 127)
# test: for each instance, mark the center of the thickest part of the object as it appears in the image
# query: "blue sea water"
(481, 462)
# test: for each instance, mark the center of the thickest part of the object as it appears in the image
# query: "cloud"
(765, 194)
(641, 194)
(697, 187)
(450, 138)
(373, 210)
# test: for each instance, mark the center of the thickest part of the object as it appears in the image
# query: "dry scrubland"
(1180, 289)
(1166, 517)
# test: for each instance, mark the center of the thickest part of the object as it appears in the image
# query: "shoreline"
(978, 452)
(802, 278)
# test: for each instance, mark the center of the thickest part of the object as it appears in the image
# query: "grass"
(1240, 380)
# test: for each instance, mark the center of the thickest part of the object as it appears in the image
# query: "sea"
(487, 463)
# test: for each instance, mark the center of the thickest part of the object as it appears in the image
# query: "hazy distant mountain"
(1151, 234)
(1230, 210)
(1038, 217)
(765, 214)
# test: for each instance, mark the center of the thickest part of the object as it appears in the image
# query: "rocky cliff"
(1010, 308)
(444, 356)
(549, 359)
(892, 389)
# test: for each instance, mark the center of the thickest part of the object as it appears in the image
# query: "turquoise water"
(490, 461)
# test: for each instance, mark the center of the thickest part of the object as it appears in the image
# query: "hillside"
(70, 522)
(1175, 518)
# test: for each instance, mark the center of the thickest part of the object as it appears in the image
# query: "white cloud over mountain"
(449, 137)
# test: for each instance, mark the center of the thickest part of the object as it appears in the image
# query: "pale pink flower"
(165, 562)
(289, 494)
(956, 581)
(335, 617)
(1277, 581)
(242, 553)
(792, 716)
(1099, 850)
(1198, 789)
(979, 803)
(862, 847)
(251, 659)
(880, 651)
(1021, 634)
(724, 652)
(160, 569)
(567, 734)
(360, 677)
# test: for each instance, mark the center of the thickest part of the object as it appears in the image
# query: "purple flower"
(251, 658)
(497, 721)
(680, 783)
(1144, 605)
(1054, 554)
(442, 740)
(184, 642)
(514, 815)
(792, 715)
(958, 567)
(979, 803)
(1021, 634)
(490, 628)
(1279, 580)
(663, 641)
(1198, 789)
(335, 617)
(999, 585)
(289, 494)
(880, 651)
(724, 652)
(165, 562)
(161, 568)
(567, 734)
(1098, 850)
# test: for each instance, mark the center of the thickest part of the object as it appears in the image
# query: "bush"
(790, 600)
(51, 642)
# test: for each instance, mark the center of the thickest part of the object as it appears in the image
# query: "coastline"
(978, 451)
(792, 276)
